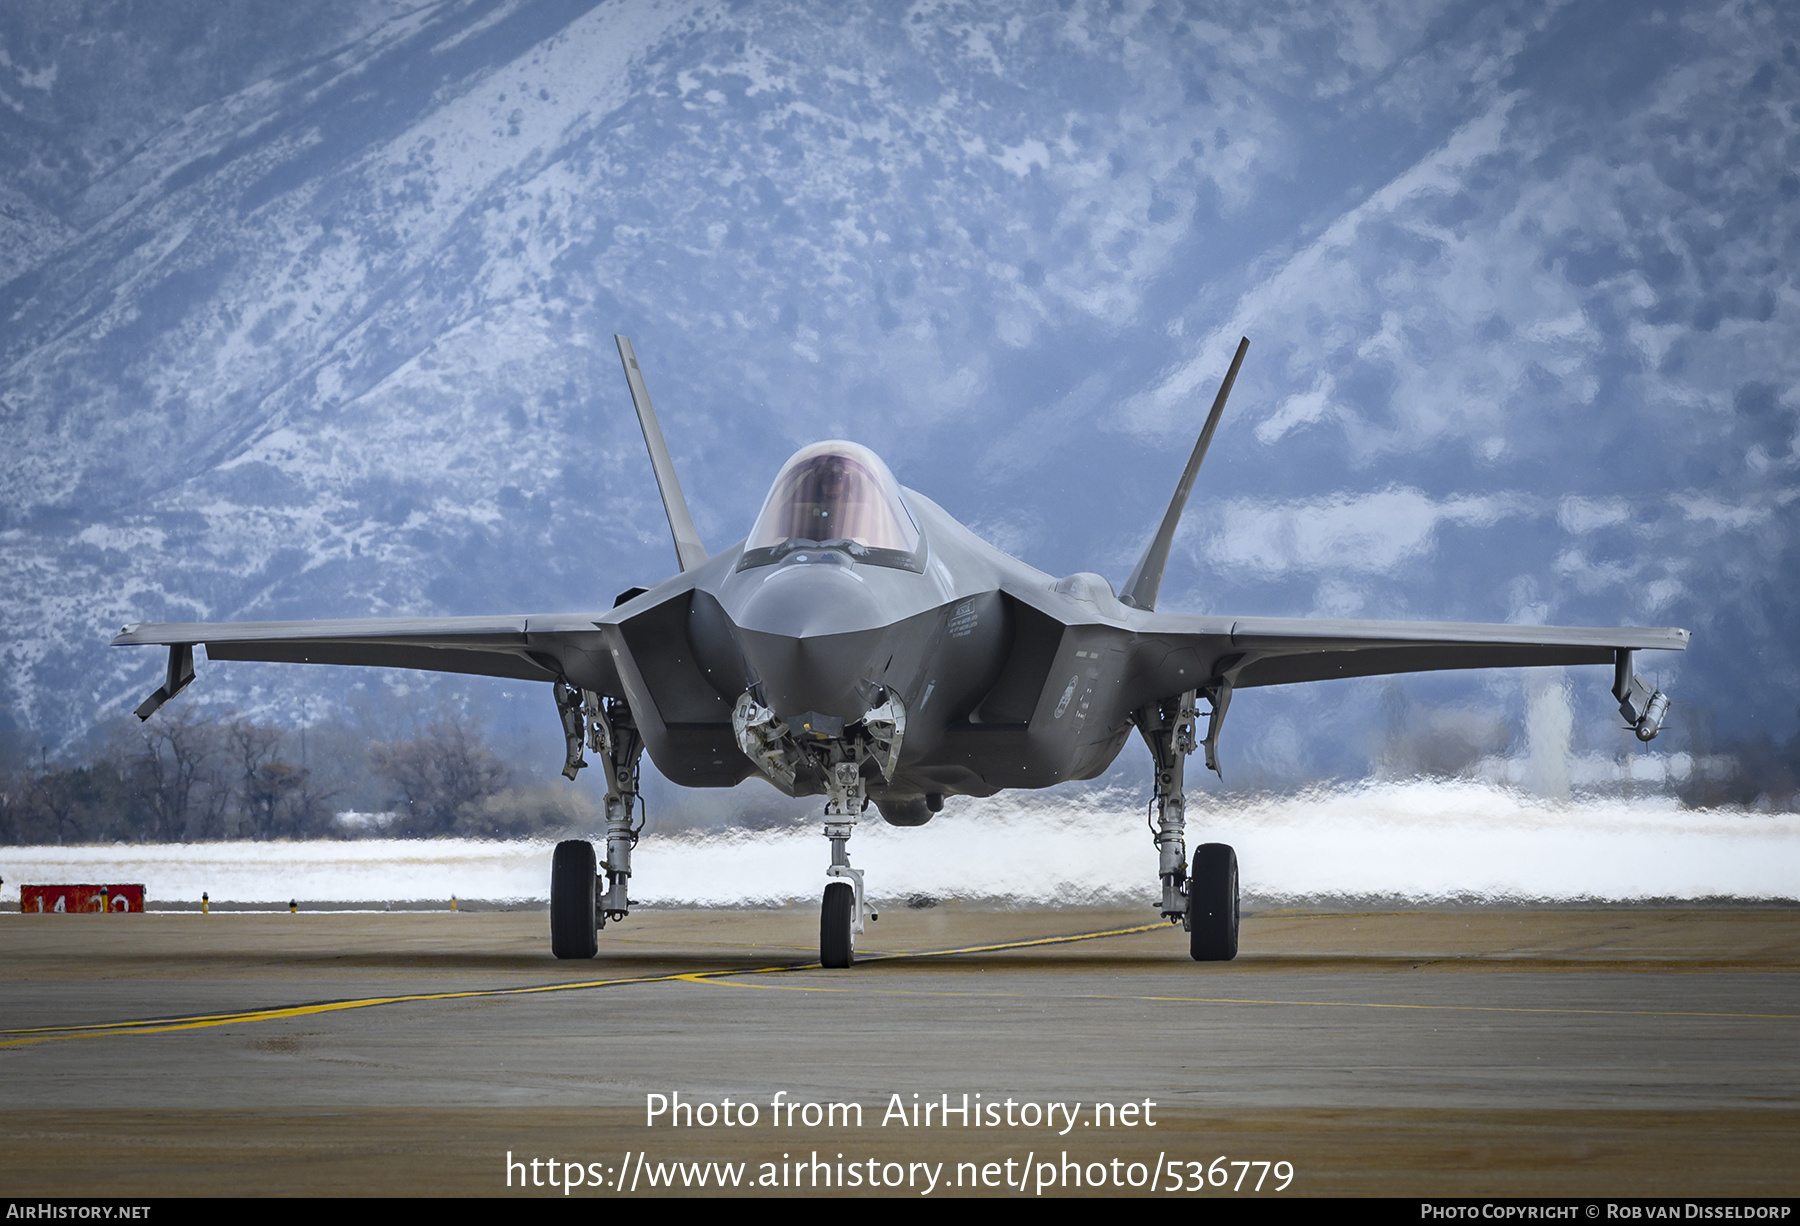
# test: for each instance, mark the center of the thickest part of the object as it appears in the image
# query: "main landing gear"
(1205, 902)
(583, 894)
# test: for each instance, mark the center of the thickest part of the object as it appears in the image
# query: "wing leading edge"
(1217, 655)
(1255, 651)
(1281, 651)
(544, 648)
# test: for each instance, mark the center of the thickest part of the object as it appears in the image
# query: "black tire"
(1213, 904)
(837, 943)
(574, 932)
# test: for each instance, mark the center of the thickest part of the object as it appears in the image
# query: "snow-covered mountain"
(306, 311)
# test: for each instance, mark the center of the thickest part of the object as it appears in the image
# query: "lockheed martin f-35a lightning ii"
(862, 644)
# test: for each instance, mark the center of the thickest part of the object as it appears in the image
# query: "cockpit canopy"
(835, 493)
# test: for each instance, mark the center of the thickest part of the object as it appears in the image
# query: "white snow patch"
(1414, 840)
(122, 538)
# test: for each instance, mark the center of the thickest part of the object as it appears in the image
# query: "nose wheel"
(844, 907)
(837, 926)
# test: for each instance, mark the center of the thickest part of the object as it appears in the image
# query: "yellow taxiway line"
(166, 1025)
(726, 977)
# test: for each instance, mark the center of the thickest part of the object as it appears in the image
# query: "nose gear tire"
(837, 947)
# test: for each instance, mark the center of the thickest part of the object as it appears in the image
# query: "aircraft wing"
(541, 648)
(1217, 655)
(1254, 651)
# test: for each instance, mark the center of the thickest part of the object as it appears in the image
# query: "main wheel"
(573, 930)
(1213, 904)
(837, 914)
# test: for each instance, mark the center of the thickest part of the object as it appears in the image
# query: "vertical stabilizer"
(1146, 577)
(688, 549)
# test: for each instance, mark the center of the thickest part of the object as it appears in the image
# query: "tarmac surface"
(1610, 1052)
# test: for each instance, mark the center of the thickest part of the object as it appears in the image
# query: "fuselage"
(822, 632)
(854, 606)
(860, 622)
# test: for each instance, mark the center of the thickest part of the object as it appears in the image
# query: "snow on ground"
(1420, 841)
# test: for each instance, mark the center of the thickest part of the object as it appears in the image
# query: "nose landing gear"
(844, 906)
(837, 756)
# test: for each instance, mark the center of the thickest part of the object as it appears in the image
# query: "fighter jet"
(863, 645)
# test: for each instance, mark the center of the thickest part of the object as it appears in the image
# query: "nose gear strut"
(837, 759)
(844, 906)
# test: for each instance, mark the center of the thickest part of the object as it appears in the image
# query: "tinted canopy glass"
(835, 491)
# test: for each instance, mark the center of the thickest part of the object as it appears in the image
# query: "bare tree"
(178, 779)
(12, 811)
(56, 795)
(261, 778)
(438, 774)
(188, 774)
(66, 804)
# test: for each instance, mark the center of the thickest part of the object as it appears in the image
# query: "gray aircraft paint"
(1012, 678)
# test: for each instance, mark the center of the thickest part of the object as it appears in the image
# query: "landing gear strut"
(581, 899)
(771, 743)
(1168, 728)
(844, 906)
(1205, 903)
(613, 734)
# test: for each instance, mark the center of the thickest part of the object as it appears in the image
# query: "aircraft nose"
(810, 600)
(814, 637)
